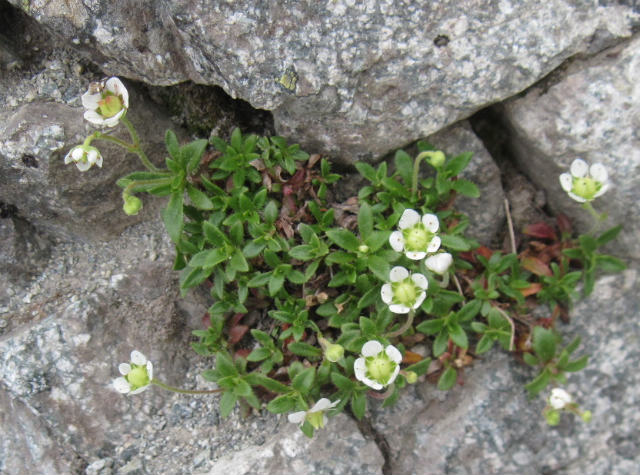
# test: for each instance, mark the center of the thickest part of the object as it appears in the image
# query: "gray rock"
(489, 426)
(590, 110)
(355, 79)
(486, 213)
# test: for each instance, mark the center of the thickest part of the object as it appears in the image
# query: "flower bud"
(132, 205)
(363, 248)
(552, 417)
(436, 159)
(412, 377)
(586, 416)
(334, 352)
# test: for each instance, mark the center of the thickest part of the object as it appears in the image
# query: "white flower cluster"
(136, 375)
(585, 183)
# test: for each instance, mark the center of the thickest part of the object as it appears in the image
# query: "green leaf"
(258, 379)
(198, 198)
(447, 379)
(252, 249)
(404, 166)
(344, 238)
(466, 188)
(259, 354)
(366, 171)
(484, 345)
(275, 284)
(172, 216)
(458, 335)
(544, 343)
(469, 311)
(379, 267)
(213, 235)
(588, 243)
(296, 277)
(304, 349)
(227, 403)
(259, 280)
(191, 277)
(576, 365)
(303, 252)
(539, 383)
(530, 359)
(209, 258)
(342, 382)
(431, 327)
(171, 142)
(225, 365)
(242, 388)
(271, 212)
(420, 367)
(609, 235)
(454, 166)
(284, 403)
(238, 262)
(192, 154)
(358, 405)
(303, 381)
(440, 343)
(365, 220)
(610, 263)
(454, 243)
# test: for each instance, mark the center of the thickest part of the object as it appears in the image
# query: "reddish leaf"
(536, 266)
(242, 353)
(484, 251)
(236, 333)
(540, 230)
(236, 319)
(532, 289)
(564, 225)
(411, 358)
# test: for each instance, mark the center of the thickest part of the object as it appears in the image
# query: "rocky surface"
(488, 425)
(590, 110)
(355, 79)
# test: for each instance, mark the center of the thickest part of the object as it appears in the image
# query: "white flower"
(106, 102)
(378, 366)
(559, 398)
(416, 236)
(405, 292)
(316, 415)
(439, 263)
(84, 156)
(136, 376)
(585, 183)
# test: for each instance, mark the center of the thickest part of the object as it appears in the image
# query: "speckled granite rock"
(590, 110)
(355, 79)
(486, 213)
(488, 426)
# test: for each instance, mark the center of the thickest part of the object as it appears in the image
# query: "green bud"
(132, 205)
(436, 159)
(363, 248)
(334, 352)
(412, 377)
(553, 417)
(316, 419)
(110, 105)
(138, 377)
(586, 416)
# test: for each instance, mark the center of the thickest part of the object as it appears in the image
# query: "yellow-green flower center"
(380, 367)
(405, 292)
(316, 419)
(110, 105)
(585, 187)
(416, 238)
(137, 377)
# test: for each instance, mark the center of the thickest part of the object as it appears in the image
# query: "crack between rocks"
(369, 432)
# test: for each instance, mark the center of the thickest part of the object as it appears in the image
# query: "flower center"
(416, 238)
(405, 292)
(585, 187)
(316, 419)
(380, 368)
(138, 377)
(110, 105)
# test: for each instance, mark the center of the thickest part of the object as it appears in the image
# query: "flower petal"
(439, 263)
(93, 117)
(141, 389)
(124, 368)
(393, 353)
(372, 384)
(434, 245)
(297, 417)
(322, 405)
(420, 280)
(90, 101)
(601, 191)
(397, 241)
(138, 358)
(415, 256)
(150, 370)
(409, 218)
(386, 293)
(399, 308)
(83, 166)
(122, 385)
(566, 182)
(431, 222)
(115, 86)
(360, 368)
(398, 273)
(579, 199)
(394, 375)
(579, 168)
(113, 121)
(419, 299)
(599, 172)
(99, 161)
(371, 348)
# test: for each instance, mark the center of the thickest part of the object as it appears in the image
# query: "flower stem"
(155, 181)
(135, 148)
(404, 327)
(416, 172)
(598, 218)
(184, 391)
